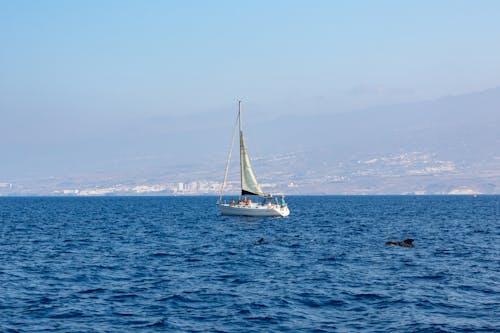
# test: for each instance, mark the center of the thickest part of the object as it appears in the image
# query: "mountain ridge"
(459, 131)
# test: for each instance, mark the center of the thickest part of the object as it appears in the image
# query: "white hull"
(254, 209)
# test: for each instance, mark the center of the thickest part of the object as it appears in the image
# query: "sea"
(173, 264)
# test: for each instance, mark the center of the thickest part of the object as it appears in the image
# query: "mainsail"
(249, 184)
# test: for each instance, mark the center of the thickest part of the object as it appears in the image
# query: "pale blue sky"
(95, 81)
(163, 57)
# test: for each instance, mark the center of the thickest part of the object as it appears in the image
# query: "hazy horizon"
(93, 93)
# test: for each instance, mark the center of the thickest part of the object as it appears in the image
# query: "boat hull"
(254, 210)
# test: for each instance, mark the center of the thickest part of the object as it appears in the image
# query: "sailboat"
(263, 204)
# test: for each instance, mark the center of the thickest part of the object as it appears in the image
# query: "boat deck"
(253, 209)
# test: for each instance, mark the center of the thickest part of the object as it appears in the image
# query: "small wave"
(430, 277)
(258, 305)
(443, 252)
(121, 314)
(123, 297)
(99, 266)
(45, 300)
(240, 281)
(263, 319)
(71, 314)
(137, 323)
(424, 328)
(335, 302)
(91, 291)
(369, 296)
(193, 260)
(175, 298)
(159, 323)
(328, 259)
(317, 303)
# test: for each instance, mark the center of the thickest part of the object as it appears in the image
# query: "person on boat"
(232, 203)
(283, 203)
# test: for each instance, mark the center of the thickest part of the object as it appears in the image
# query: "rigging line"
(242, 146)
(229, 158)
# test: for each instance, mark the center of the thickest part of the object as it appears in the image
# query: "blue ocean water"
(156, 264)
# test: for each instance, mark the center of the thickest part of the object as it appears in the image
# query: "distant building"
(203, 186)
(192, 187)
(70, 192)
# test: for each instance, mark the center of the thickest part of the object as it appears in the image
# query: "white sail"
(249, 184)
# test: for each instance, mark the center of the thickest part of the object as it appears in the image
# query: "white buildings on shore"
(179, 188)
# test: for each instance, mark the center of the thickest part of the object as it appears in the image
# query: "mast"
(239, 113)
(249, 184)
(229, 157)
(241, 135)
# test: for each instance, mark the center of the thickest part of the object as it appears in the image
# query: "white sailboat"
(263, 204)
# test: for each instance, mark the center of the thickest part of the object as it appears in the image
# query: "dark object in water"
(260, 241)
(406, 243)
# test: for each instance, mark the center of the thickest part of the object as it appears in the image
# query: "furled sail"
(249, 184)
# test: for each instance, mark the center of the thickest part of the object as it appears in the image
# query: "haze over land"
(449, 145)
(132, 98)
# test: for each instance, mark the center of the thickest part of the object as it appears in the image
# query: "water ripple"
(174, 264)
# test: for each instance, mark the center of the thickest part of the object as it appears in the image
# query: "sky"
(165, 57)
(75, 68)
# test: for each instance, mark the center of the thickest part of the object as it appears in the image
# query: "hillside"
(446, 145)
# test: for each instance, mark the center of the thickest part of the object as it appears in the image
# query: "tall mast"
(229, 157)
(239, 113)
(241, 135)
